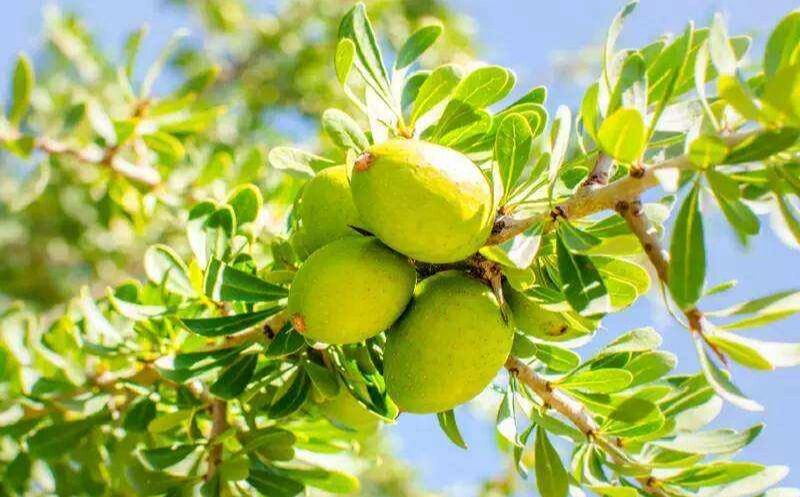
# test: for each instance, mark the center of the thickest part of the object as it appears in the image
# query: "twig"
(587, 201)
(577, 414)
(219, 423)
(642, 228)
(601, 172)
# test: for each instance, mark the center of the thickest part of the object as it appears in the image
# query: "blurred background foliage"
(105, 159)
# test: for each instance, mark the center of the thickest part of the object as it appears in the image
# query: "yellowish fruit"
(350, 290)
(326, 210)
(448, 346)
(424, 200)
(533, 319)
(346, 411)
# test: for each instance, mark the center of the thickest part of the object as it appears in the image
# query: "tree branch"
(587, 201)
(219, 420)
(577, 414)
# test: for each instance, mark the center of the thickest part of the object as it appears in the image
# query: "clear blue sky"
(524, 35)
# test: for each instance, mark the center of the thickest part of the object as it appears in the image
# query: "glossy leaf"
(687, 270)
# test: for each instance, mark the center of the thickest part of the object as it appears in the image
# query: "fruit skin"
(448, 346)
(426, 201)
(345, 410)
(350, 290)
(326, 210)
(533, 319)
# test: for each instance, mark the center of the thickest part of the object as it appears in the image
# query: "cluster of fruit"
(446, 336)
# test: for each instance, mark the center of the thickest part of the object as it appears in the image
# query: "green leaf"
(335, 482)
(739, 215)
(720, 49)
(554, 357)
(789, 215)
(752, 485)
(448, 424)
(227, 325)
(21, 87)
(647, 367)
(166, 146)
(322, 378)
(559, 141)
(196, 231)
(343, 130)
(164, 457)
(612, 35)
(551, 477)
(720, 381)
(622, 135)
(762, 145)
(219, 228)
(638, 340)
(343, 59)
(484, 86)
(687, 269)
(757, 354)
(631, 88)
(706, 151)
(234, 379)
(164, 267)
(624, 280)
(140, 414)
(722, 441)
(512, 150)
(293, 397)
(225, 283)
(667, 72)
(506, 421)
(356, 26)
(416, 45)
(783, 46)
(633, 417)
(295, 160)
(733, 91)
(435, 89)
(576, 239)
(285, 343)
(269, 441)
(267, 482)
(411, 89)
(145, 482)
(598, 380)
(782, 97)
(581, 283)
(246, 201)
(54, 441)
(714, 474)
(590, 115)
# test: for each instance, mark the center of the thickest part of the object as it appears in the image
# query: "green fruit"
(346, 411)
(533, 319)
(426, 201)
(326, 210)
(448, 345)
(350, 290)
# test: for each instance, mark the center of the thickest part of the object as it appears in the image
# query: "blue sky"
(527, 35)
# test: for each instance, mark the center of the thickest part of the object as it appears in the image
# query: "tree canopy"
(186, 368)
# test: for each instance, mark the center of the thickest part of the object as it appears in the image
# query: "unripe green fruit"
(350, 290)
(533, 319)
(326, 210)
(448, 346)
(426, 201)
(345, 410)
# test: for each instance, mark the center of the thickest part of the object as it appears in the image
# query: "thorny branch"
(587, 201)
(577, 414)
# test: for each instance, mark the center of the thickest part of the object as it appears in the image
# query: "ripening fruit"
(350, 290)
(426, 201)
(326, 210)
(345, 410)
(533, 319)
(448, 345)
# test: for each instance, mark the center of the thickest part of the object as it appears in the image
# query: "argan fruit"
(426, 201)
(350, 290)
(326, 210)
(532, 318)
(345, 410)
(448, 346)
